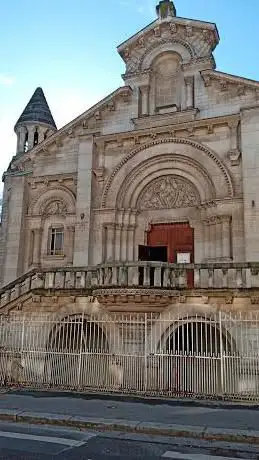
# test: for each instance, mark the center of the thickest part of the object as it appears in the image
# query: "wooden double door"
(173, 243)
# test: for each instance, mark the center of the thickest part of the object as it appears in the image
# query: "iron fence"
(157, 354)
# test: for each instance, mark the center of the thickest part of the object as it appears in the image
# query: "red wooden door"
(179, 238)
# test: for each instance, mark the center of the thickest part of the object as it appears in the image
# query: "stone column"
(206, 239)
(69, 246)
(37, 240)
(130, 245)
(118, 241)
(218, 241)
(226, 237)
(212, 228)
(21, 133)
(189, 92)
(110, 242)
(144, 92)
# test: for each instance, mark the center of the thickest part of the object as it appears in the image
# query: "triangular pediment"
(199, 38)
(89, 122)
(224, 82)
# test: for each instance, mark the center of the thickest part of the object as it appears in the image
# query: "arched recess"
(191, 345)
(151, 169)
(81, 351)
(59, 193)
(179, 46)
(207, 161)
(51, 219)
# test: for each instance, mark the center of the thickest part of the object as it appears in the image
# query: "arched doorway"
(192, 357)
(78, 353)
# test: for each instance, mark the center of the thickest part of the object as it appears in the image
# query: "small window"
(36, 137)
(25, 147)
(57, 241)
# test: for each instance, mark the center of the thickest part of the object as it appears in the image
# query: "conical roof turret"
(37, 111)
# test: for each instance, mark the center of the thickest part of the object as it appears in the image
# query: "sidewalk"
(205, 421)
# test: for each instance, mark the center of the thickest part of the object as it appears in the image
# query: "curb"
(141, 399)
(137, 427)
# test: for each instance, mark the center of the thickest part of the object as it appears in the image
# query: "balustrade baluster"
(133, 276)
(157, 277)
(146, 276)
(197, 278)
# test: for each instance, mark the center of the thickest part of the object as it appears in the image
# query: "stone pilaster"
(37, 241)
(189, 92)
(144, 99)
(69, 243)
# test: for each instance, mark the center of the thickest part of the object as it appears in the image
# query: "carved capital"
(173, 28)
(207, 80)
(141, 42)
(234, 156)
(111, 106)
(189, 80)
(157, 31)
(99, 174)
(223, 85)
(188, 31)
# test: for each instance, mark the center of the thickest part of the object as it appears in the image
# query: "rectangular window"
(57, 241)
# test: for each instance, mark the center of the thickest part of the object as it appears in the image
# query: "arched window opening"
(25, 146)
(36, 137)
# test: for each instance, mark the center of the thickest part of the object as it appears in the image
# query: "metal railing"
(136, 274)
(157, 354)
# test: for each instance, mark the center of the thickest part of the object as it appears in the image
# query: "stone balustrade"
(136, 274)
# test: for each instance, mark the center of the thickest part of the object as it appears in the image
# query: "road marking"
(47, 439)
(180, 456)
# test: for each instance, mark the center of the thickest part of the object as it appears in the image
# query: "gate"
(202, 356)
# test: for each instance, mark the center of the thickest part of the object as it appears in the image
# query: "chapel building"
(149, 200)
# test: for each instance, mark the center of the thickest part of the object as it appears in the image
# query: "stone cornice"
(168, 129)
(213, 75)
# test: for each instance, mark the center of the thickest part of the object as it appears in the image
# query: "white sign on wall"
(183, 257)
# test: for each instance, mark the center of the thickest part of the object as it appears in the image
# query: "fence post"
(80, 352)
(222, 380)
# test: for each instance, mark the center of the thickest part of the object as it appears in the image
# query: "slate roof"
(37, 110)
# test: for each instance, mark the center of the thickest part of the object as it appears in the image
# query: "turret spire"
(35, 123)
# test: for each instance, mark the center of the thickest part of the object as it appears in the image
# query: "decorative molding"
(55, 207)
(99, 174)
(183, 141)
(165, 119)
(163, 41)
(169, 192)
(225, 80)
(234, 156)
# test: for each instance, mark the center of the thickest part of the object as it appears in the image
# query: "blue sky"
(69, 48)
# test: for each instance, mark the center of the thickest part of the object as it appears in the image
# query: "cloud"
(6, 80)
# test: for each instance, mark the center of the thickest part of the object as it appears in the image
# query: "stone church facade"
(162, 171)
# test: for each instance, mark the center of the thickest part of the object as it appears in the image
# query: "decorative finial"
(166, 9)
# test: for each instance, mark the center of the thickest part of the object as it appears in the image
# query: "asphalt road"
(31, 442)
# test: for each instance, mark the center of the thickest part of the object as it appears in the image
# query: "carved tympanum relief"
(169, 192)
(55, 208)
